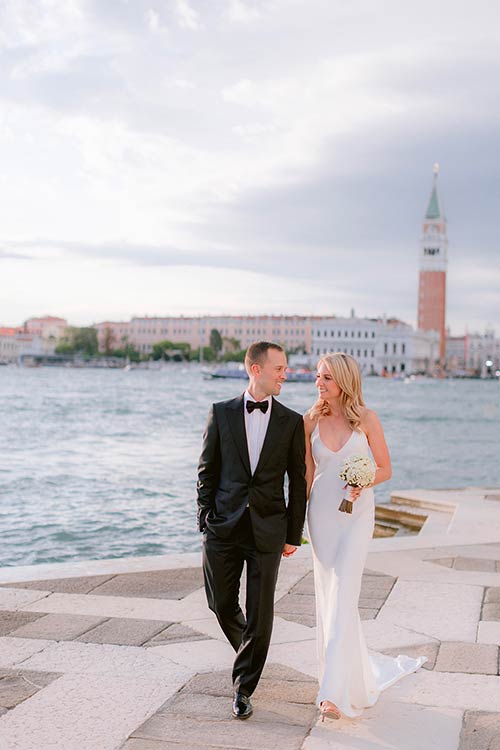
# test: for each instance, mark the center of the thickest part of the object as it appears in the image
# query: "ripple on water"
(103, 463)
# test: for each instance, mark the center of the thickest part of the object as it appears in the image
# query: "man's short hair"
(257, 353)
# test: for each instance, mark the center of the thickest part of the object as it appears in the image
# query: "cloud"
(130, 142)
(188, 17)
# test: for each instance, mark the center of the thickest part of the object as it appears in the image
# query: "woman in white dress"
(339, 426)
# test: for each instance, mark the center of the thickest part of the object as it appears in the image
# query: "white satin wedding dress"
(349, 675)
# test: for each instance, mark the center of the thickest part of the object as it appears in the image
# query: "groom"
(250, 442)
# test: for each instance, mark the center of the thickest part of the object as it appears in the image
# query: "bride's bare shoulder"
(368, 416)
(309, 423)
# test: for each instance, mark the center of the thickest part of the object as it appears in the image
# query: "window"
(359, 334)
(373, 334)
(394, 348)
(365, 353)
(385, 348)
(352, 334)
(403, 348)
(366, 334)
(339, 334)
(359, 353)
(373, 353)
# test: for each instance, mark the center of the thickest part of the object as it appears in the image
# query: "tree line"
(84, 342)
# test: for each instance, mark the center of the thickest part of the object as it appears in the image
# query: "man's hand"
(288, 550)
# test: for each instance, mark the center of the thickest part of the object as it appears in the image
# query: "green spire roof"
(433, 211)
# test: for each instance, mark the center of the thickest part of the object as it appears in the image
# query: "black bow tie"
(262, 405)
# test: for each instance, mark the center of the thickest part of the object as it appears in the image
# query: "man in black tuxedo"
(249, 444)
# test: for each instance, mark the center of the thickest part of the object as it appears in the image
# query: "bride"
(339, 426)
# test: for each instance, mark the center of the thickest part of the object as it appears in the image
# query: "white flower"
(358, 471)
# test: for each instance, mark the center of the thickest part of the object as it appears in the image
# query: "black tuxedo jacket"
(226, 485)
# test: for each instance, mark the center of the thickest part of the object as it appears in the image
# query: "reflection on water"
(102, 463)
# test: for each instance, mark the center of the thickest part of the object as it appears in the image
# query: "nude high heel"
(329, 710)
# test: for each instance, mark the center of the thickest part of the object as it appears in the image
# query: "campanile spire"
(433, 264)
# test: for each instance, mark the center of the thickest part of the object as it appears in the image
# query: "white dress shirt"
(256, 425)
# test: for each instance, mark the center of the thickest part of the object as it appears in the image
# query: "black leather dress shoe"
(242, 707)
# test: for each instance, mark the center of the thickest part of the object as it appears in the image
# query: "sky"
(167, 157)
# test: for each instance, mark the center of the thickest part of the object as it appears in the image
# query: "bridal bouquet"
(357, 471)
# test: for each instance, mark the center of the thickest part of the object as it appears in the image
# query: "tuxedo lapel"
(236, 419)
(274, 430)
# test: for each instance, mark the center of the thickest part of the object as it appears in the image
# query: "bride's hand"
(355, 493)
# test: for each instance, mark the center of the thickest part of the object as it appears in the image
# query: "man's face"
(272, 372)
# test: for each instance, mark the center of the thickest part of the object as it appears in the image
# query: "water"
(102, 463)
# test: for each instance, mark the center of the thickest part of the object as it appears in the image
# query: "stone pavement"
(124, 654)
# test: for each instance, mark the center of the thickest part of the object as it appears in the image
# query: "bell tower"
(433, 264)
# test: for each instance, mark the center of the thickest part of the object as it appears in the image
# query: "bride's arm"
(376, 440)
(308, 429)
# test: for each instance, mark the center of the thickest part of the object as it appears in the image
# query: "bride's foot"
(329, 710)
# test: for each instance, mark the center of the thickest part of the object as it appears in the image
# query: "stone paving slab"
(124, 632)
(244, 735)
(12, 620)
(57, 627)
(474, 563)
(17, 686)
(77, 585)
(153, 584)
(305, 585)
(469, 658)
(492, 594)
(195, 706)
(390, 725)
(283, 708)
(85, 712)
(480, 731)
(139, 744)
(171, 610)
(87, 658)
(432, 608)
(16, 650)
(366, 613)
(295, 604)
(449, 690)
(430, 650)
(176, 633)
(488, 632)
(491, 611)
(12, 599)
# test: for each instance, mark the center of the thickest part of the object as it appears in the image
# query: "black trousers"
(250, 635)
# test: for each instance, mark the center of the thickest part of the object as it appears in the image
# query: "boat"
(236, 371)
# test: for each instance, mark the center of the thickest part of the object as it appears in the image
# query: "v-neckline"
(329, 449)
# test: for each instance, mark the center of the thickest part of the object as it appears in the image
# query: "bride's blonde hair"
(346, 373)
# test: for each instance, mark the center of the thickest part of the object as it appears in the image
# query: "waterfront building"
(49, 329)
(473, 354)
(237, 331)
(8, 344)
(381, 346)
(433, 264)
(14, 342)
(112, 335)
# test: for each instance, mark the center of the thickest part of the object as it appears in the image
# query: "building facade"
(291, 331)
(433, 265)
(14, 342)
(473, 354)
(49, 329)
(380, 346)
